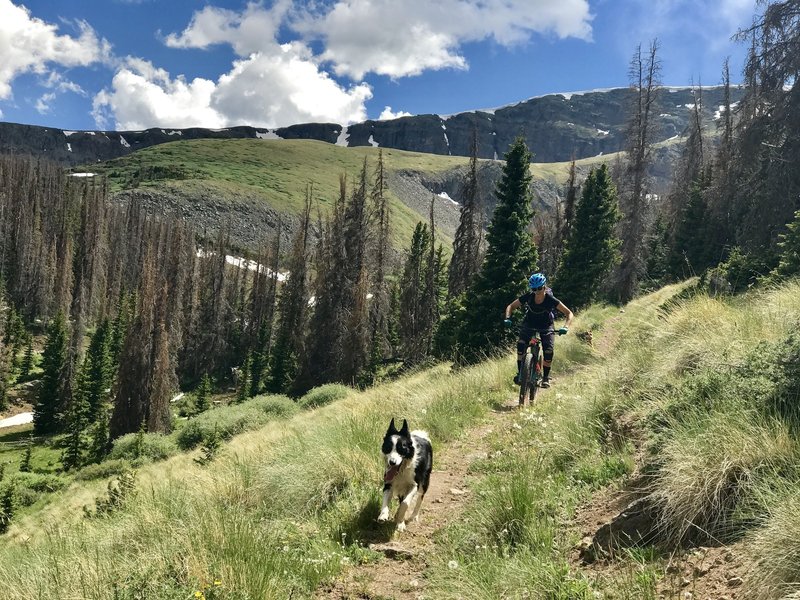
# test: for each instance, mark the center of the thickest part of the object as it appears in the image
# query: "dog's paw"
(383, 517)
(401, 526)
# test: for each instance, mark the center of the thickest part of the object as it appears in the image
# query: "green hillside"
(682, 398)
(241, 173)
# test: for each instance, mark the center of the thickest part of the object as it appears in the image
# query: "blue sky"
(133, 64)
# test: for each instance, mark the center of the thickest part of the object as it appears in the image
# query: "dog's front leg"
(387, 498)
(400, 517)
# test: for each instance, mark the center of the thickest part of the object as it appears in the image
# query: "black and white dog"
(409, 461)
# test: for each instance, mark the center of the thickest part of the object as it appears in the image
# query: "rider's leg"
(525, 335)
(548, 344)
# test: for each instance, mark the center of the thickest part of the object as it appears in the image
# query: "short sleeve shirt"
(539, 316)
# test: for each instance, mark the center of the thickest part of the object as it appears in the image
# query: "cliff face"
(557, 128)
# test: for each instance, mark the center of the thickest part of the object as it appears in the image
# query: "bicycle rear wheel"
(525, 380)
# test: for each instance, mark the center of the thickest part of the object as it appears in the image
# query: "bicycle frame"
(531, 372)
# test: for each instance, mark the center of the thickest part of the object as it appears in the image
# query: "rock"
(735, 581)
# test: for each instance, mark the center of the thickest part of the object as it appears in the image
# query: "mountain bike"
(531, 372)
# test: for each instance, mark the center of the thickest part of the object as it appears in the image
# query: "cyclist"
(539, 304)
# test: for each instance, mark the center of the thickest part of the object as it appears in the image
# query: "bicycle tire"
(536, 375)
(525, 380)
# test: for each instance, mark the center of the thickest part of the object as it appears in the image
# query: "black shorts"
(548, 336)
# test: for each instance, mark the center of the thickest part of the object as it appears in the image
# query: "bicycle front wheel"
(526, 380)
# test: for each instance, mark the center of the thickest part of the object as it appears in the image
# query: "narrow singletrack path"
(401, 573)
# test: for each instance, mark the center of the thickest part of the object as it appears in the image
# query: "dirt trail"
(400, 575)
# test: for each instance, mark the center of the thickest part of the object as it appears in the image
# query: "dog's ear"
(404, 430)
(392, 429)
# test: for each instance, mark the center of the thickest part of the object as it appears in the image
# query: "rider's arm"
(566, 312)
(512, 307)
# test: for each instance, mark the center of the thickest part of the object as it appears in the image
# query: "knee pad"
(548, 354)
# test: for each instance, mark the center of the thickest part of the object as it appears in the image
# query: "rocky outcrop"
(557, 127)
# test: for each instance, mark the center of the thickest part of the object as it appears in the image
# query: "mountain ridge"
(557, 128)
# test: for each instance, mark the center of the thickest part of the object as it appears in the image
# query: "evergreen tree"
(99, 435)
(510, 258)
(73, 456)
(7, 508)
(25, 464)
(292, 307)
(689, 253)
(413, 318)
(466, 261)
(96, 385)
(592, 248)
(243, 391)
(258, 365)
(203, 394)
(789, 261)
(657, 254)
(27, 359)
(48, 409)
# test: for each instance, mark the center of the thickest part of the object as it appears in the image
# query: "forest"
(113, 314)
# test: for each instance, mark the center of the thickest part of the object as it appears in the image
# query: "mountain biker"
(539, 304)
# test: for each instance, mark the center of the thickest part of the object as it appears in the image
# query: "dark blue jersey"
(539, 316)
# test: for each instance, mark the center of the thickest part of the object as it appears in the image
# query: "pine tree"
(48, 409)
(413, 319)
(789, 262)
(658, 249)
(27, 359)
(73, 456)
(466, 261)
(203, 394)
(25, 464)
(243, 391)
(644, 73)
(98, 363)
(689, 253)
(592, 248)
(7, 508)
(292, 308)
(510, 258)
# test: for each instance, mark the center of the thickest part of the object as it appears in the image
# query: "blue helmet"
(536, 280)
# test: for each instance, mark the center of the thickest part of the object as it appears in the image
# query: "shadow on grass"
(364, 528)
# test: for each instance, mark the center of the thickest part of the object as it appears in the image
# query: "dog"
(409, 462)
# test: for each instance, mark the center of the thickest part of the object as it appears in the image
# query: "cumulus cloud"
(29, 45)
(388, 114)
(261, 90)
(406, 38)
(43, 103)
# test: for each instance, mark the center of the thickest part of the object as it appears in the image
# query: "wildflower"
(217, 582)
(452, 564)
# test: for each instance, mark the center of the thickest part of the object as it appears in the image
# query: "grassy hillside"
(695, 397)
(242, 175)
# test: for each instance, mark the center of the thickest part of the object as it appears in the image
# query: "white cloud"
(388, 113)
(261, 90)
(406, 38)
(253, 30)
(43, 103)
(28, 44)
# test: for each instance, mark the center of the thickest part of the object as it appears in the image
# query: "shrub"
(154, 446)
(324, 394)
(234, 419)
(107, 468)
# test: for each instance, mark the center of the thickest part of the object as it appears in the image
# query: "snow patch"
(20, 419)
(603, 132)
(344, 137)
(124, 142)
(69, 133)
(82, 174)
(172, 132)
(674, 137)
(446, 196)
(665, 115)
(69, 147)
(269, 134)
(372, 142)
(177, 397)
(243, 263)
